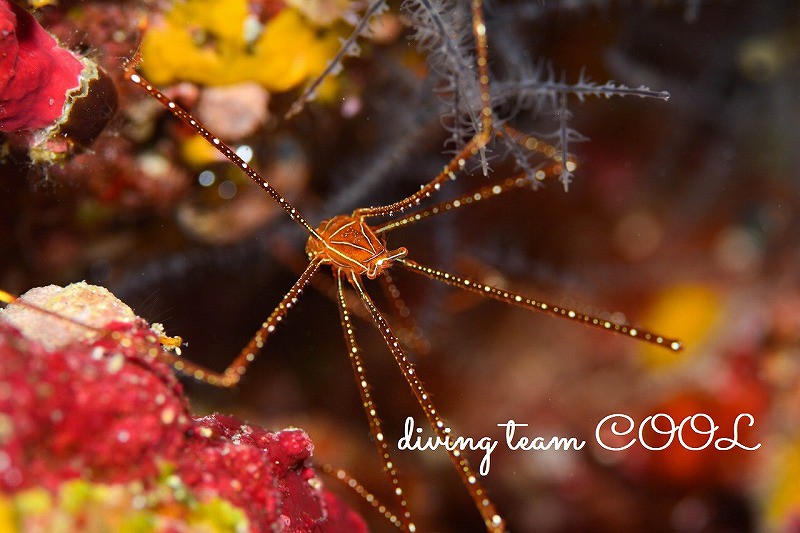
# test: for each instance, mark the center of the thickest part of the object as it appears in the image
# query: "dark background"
(690, 205)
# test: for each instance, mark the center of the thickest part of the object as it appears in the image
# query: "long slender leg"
(491, 518)
(371, 409)
(529, 142)
(474, 146)
(449, 172)
(297, 261)
(519, 300)
(482, 48)
(484, 193)
(219, 145)
(343, 476)
(231, 375)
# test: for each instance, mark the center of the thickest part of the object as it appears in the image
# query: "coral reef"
(96, 430)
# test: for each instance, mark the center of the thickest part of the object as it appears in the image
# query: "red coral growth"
(303, 508)
(95, 411)
(35, 73)
(56, 101)
(247, 465)
(108, 411)
(267, 474)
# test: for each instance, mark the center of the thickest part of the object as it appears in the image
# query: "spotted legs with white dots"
(492, 520)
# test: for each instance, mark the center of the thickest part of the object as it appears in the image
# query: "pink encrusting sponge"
(94, 428)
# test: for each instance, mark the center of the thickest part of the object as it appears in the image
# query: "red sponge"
(35, 73)
(54, 101)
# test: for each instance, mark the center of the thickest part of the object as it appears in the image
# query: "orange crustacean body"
(349, 243)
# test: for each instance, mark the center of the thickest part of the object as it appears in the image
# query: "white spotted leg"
(371, 410)
(519, 300)
(220, 145)
(493, 521)
(486, 193)
(473, 147)
(234, 372)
